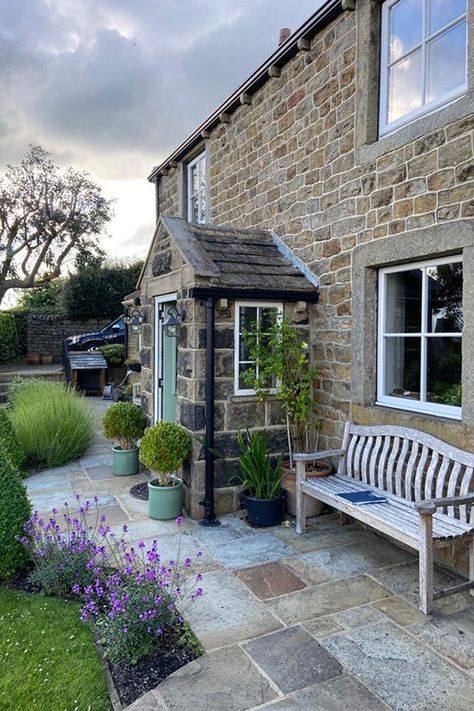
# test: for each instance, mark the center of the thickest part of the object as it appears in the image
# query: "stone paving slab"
(45, 501)
(451, 635)
(173, 544)
(326, 599)
(401, 670)
(359, 617)
(293, 659)
(342, 692)
(399, 611)
(323, 626)
(101, 471)
(224, 680)
(324, 532)
(353, 559)
(403, 580)
(228, 612)
(235, 551)
(270, 580)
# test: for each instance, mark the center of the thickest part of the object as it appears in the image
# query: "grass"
(53, 424)
(47, 659)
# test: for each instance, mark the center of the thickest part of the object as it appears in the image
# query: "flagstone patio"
(291, 623)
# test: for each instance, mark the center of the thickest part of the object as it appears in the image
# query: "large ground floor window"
(420, 324)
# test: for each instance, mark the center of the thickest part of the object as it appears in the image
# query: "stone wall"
(46, 333)
(291, 162)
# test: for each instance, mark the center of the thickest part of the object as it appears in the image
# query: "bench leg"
(300, 498)
(426, 563)
(471, 564)
(343, 518)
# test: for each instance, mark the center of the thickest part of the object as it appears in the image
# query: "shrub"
(63, 547)
(14, 512)
(52, 422)
(125, 422)
(9, 446)
(132, 604)
(164, 448)
(114, 353)
(9, 347)
(21, 322)
(259, 475)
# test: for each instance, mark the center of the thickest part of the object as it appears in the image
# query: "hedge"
(15, 510)
(9, 348)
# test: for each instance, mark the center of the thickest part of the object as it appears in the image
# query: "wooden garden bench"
(429, 487)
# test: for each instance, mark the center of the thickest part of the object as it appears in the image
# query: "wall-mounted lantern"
(135, 319)
(173, 321)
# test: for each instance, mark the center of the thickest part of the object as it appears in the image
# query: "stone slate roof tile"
(240, 258)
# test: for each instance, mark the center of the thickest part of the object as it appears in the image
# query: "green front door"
(168, 383)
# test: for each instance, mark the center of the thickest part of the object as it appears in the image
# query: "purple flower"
(180, 520)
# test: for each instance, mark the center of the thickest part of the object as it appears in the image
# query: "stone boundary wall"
(46, 332)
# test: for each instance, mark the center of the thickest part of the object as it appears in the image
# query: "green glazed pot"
(124, 461)
(165, 502)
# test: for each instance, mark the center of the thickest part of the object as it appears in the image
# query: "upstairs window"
(420, 337)
(197, 189)
(423, 58)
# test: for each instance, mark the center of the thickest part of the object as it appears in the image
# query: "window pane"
(444, 370)
(268, 316)
(442, 12)
(404, 86)
(195, 208)
(405, 26)
(402, 371)
(403, 303)
(445, 313)
(248, 318)
(446, 62)
(243, 349)
(245, 368)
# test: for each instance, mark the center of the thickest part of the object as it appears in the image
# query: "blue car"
(113, 332)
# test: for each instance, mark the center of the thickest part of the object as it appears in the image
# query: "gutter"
(298, 41)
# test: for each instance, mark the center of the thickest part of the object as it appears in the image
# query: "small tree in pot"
(164, 449)
(262, 479)
(124, 422)
(282, 358)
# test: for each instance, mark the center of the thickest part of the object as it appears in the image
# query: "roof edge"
(294, 260)
(327, 12)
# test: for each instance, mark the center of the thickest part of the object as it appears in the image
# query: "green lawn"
(47, 659)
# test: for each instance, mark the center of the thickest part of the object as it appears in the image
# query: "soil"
(133, 681)
(22, 581)
(140, 491)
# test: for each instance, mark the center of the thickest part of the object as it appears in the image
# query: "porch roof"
(242, 260)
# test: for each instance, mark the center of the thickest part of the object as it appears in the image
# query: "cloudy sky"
(112, 86)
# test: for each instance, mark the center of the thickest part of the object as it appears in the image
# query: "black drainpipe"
(209, 514)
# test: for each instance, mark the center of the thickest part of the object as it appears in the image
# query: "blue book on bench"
(362, 497)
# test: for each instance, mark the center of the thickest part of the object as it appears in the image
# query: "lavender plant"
(131, 596)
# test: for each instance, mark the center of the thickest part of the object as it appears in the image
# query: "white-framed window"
(251, 317)
(197, 189)
(420, 324)
(423, 58)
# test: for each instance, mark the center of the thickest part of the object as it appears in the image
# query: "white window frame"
(399, 403)
(385, 64)
(189, 189)
(278, 305)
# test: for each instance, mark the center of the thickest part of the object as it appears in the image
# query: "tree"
(46, 216)
(97, 291)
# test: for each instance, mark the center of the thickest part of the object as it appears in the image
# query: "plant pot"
(134, 367)
(33, 359)
(165, 502)
(124, 461)
(46, 359)
(265, 512)
(313, 506)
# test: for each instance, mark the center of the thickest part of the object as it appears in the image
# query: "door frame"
(158, 302)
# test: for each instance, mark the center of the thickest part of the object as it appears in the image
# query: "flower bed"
(132, 600)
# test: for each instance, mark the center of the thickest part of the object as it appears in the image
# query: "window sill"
(417, 128)
(411, 407)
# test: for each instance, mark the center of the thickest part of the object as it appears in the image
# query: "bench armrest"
(429, 506)
(314, 456)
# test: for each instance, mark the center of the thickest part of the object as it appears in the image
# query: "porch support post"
(209, 514)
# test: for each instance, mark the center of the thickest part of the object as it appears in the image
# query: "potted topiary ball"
(124, 422)
(163, 450)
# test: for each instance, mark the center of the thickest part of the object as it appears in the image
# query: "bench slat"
(400, 470)
(453, 484)
(465, 489)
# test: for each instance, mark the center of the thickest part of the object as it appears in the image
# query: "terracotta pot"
(46, 359)
(313, 506)
(33, 358)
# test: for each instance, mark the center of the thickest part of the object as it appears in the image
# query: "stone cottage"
(335, 184)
